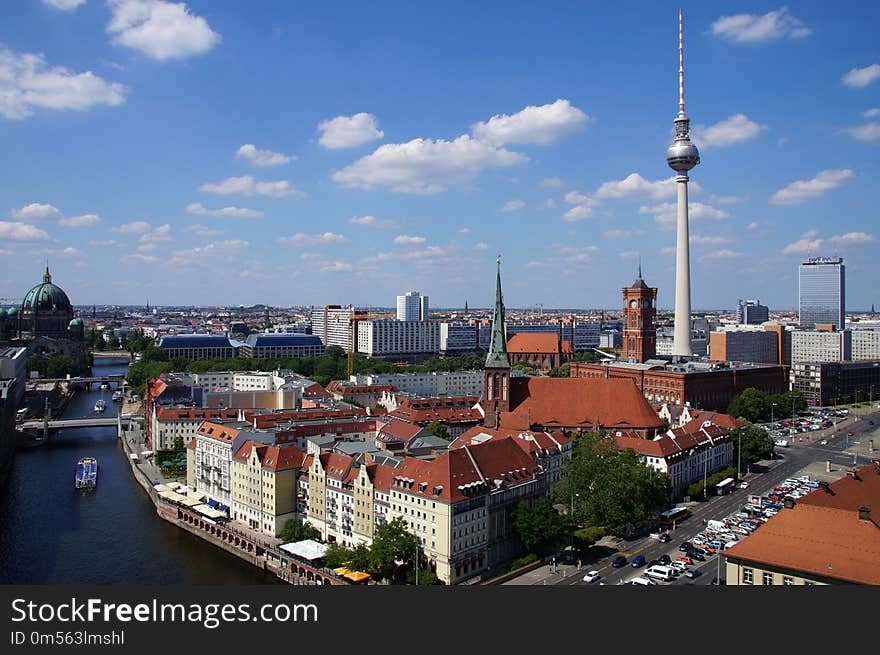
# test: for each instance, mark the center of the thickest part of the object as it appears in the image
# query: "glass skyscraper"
(822, 300)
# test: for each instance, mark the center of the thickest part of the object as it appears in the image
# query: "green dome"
(3, 312)
(46, 297)
(76, 322)
(13, 311)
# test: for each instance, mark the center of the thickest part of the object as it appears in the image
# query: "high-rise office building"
(412, 307)
(751, 312)
(822, 282)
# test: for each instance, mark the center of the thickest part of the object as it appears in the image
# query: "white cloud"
(300, 238)
(407, 240)
(262, 157)
(425, 165)
(720, 254)
(349, 131)
(867, 133)
(159, 29)
(536, 264)
(131, 228)
(513, 205)
(372, 221)
(85, 220)
(628, 254)
(201, 230)
(726, 200)
(753, 225)
(851, 238)
(104, 243)
(64, 5)
(862, 77)
(666, 214)
(36, 212)
(146, 247)
(552, 183)
(197, 209)
(583, 206)
(734, 129)
(807, 243)
(872, 113)
(481, 246)
(247, 186)
(704, 239)
(16, 231)
(428, 252)
(668, 250)
(547, 204)
(137, 258)
(335, 267)
(755, 28)
(159, 234)
(465, 230)
(26, 82)
(538, 125)
(623, 234)
(803, 190)
(634, 185)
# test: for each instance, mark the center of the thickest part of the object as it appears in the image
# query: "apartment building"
(428, 385)
(390, 338)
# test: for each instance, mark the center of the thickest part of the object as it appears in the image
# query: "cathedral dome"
(46, 297)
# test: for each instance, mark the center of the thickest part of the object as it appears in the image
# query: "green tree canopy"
(755, 405)
(438, 429)
(539, 525)
(392, 544)
(752, 444)
(608, 486)
(58, 366)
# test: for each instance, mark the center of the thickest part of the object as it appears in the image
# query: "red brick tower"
(639, 309)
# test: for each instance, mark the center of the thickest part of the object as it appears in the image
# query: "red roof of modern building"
(578, 403)
(344, 388)
(309, 415)
(447, 410)
(700, 416)
(195, 414)
(397, 431)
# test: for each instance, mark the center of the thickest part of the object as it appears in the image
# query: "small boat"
(118, 395)
(100, 406)
(104, 385)
(86, 473)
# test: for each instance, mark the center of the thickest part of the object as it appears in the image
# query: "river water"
(52, 534)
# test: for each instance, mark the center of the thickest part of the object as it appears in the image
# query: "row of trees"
(755, 405)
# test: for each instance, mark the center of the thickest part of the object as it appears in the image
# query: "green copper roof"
(46, 297)
(497, 355)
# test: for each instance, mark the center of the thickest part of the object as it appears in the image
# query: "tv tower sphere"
(682, 155)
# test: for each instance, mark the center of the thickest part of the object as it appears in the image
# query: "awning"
(210, 512)
(223, 508)
(161, 487)
(213, 503)
(307, 549)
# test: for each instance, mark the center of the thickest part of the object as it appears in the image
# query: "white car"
(824, 442)
(591, 576)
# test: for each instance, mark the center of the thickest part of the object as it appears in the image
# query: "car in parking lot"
(824, 442)
(638, 560)
(591, 576)
(619, 561)
(665, 559)
(685, 559)
(685, 546)
(850, 434)
(693, 573)
(678, 566)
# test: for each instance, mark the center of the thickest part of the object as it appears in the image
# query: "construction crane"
(353, 321)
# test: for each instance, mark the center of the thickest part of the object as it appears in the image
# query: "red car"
(850, 434)
(685, 560)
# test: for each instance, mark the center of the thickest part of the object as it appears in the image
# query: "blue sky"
(275, 152)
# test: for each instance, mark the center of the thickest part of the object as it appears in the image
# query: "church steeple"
(47, 276)
(497, 355)
(496, 375)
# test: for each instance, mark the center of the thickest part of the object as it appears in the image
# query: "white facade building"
(429, 385)
(388, 337)
(412, 307)
(820, 346)
(865, 345)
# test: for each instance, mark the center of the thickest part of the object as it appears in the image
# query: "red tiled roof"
(816, 541)
(447, 410)
(192, 443)
(698, 417)
(345, 389)
(850, 492)
(328, 415)
(336, 466)
(218, 431)
(526, 342)
(456, 474)
(381, 476)
(578, 402)
(195, 413)
(273, 458)
(534, 443)
(397, 430)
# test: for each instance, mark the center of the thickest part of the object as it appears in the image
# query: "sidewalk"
(553, 573)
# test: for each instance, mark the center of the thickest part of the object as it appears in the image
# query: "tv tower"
(682, 156)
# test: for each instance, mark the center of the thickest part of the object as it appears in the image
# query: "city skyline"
(277, 155)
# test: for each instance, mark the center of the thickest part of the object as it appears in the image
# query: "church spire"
(47, 276)
(497, 356)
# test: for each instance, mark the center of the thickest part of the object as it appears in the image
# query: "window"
(787, 580)
(767, 578)
(747, 576)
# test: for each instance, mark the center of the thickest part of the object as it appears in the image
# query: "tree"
(752, 444)
(751, 405)
(58, 366)
(609, 486)
(337, 555)
(296, 530)
(392, 543)
(438, 429)
(539, 525)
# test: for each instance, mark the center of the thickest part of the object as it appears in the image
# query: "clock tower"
(639, 310)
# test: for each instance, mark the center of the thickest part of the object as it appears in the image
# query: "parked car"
(685, 560)
(685, 546)
(638, 560)
(665, 559)
(693, 573)
(619, 561)
(591, 576)
(850, 434)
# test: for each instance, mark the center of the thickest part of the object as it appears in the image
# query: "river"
(52, 534)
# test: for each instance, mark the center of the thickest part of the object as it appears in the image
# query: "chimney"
(826, 487)
(864, 513)
(788, 503)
